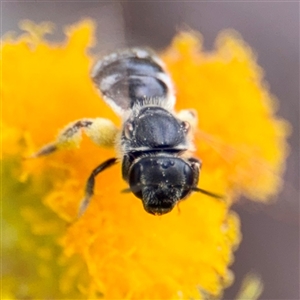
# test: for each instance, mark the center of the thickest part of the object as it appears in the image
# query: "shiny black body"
(154, 128)
(129, 77)
(154, 142)
(152, 165)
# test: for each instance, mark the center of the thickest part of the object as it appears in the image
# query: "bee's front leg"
(89, 188)
(101, 131)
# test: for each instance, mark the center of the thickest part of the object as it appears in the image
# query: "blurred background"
(270, 245)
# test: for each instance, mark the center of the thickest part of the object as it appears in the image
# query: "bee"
(154, 145)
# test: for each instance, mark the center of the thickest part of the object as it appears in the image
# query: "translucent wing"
(131, 77)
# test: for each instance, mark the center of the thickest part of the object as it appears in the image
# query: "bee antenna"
(195, 189)
(217, 196)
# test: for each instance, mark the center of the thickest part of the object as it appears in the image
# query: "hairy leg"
(101, 131)
(90, 184)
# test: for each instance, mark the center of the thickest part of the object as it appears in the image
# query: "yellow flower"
(127, 252)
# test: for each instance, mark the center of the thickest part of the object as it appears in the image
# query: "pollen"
(116, 250)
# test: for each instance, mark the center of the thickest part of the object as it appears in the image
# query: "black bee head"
(160, 182)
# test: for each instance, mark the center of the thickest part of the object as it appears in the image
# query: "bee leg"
(101, 131)
(189, 116)
(89, 188)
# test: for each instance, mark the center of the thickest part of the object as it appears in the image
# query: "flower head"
(127, 252)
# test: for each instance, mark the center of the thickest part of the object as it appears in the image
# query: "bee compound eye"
(135, 180)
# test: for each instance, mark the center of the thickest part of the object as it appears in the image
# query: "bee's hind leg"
(89, 188)
(101, 131)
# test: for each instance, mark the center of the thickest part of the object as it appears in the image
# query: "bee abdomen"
(130, 77)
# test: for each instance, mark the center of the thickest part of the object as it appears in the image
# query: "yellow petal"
(129, 253)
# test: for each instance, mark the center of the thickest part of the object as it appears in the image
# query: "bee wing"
(131, 77)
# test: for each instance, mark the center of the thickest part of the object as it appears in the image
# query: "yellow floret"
(128, 253)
